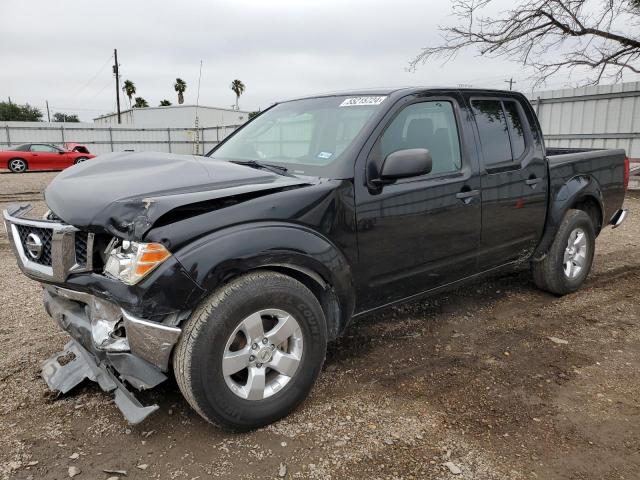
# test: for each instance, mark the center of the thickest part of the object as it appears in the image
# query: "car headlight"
(132, 261)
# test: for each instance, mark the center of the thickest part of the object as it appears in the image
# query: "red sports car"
(42, 156)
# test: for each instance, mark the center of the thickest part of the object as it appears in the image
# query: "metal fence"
(114, 139)
(605, 116)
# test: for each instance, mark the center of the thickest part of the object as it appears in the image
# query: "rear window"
(20, 148)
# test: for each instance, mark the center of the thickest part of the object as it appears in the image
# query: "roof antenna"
(196, 144)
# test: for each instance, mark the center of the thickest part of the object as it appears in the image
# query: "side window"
(494, 133)
(501, 130)
(42, 148)
(430, 125)
(516, 128)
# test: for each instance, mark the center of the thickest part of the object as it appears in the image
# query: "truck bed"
(604, 166)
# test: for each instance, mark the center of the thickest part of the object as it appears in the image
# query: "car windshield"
(305, 136)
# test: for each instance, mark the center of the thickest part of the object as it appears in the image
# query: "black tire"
(197, 360)
(80, 160)
(17, 165)
(549, 273)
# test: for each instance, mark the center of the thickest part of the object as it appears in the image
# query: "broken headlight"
(130, 262)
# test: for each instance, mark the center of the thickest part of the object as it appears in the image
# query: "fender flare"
(575, 190)
(214, 259)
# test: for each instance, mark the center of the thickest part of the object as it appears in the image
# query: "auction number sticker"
(359, 101)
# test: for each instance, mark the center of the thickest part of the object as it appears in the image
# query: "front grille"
(45, 235)
(81, 248)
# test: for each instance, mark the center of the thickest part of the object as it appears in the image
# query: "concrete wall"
(604, 116)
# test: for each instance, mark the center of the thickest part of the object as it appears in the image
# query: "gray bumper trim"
(63, 378)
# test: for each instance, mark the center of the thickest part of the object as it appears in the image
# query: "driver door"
(423, 232)
(47, 157)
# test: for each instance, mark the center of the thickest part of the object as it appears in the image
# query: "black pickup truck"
(234, 270)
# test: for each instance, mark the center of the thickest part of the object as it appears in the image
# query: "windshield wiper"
(266, 166)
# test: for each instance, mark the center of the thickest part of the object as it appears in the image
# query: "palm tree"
(140, 103)
(238, 88)
(165, 103)
(180, 86)
(129, 89)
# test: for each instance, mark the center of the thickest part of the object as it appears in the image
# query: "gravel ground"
(491, 381)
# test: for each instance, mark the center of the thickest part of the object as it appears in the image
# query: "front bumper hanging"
(109, 347)
(78, 365)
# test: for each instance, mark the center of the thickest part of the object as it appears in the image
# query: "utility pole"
(48, 116)
(117, 74)
(511, 81)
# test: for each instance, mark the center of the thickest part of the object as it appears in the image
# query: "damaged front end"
(111, 344)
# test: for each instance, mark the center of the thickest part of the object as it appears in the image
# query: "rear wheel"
(252, 351)
(80, 160)
(17, 165)
(569, 259)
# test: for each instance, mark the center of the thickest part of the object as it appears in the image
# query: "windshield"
(306, 136)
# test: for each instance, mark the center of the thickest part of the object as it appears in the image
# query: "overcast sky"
(62, 50)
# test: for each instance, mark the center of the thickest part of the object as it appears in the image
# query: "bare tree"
(599, 36)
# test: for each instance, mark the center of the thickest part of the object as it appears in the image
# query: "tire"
(17, 165)
(80, 160)
(210, 334)
(557, 272)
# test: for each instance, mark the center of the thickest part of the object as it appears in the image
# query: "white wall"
(604, 116)
(102, 139)
(176, 116)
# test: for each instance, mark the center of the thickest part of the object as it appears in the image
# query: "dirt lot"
(500, 379)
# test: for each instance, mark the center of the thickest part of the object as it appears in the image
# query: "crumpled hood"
(125, 193)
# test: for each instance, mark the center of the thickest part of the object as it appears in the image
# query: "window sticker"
(325, 155)
(359, 101)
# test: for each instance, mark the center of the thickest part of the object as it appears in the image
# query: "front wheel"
(252, 351)
(80, 160)
(17, 165)
(569, 259)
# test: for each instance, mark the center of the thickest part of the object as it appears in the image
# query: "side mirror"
(411, 162)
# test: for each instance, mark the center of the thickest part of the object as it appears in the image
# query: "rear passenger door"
(513, 176)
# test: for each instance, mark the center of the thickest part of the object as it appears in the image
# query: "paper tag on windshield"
(359, 101)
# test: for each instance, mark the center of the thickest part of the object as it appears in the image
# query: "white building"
(175, 116)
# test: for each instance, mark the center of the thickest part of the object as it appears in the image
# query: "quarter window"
(430, 125)
(516, 128)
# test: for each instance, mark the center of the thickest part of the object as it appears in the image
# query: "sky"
(62, 50)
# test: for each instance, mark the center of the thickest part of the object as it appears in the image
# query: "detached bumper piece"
(78, 365)
(119, 352)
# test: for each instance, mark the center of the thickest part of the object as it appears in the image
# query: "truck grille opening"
(45, 235)
(81, 248)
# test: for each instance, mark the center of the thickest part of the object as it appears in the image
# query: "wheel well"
(322, 290)
(591, 207)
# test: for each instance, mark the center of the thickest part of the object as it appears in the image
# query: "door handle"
(467, 195)
(533, 181)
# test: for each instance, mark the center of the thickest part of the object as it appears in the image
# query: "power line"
(94, 77)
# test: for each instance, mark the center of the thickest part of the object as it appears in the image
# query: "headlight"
(132, 261)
